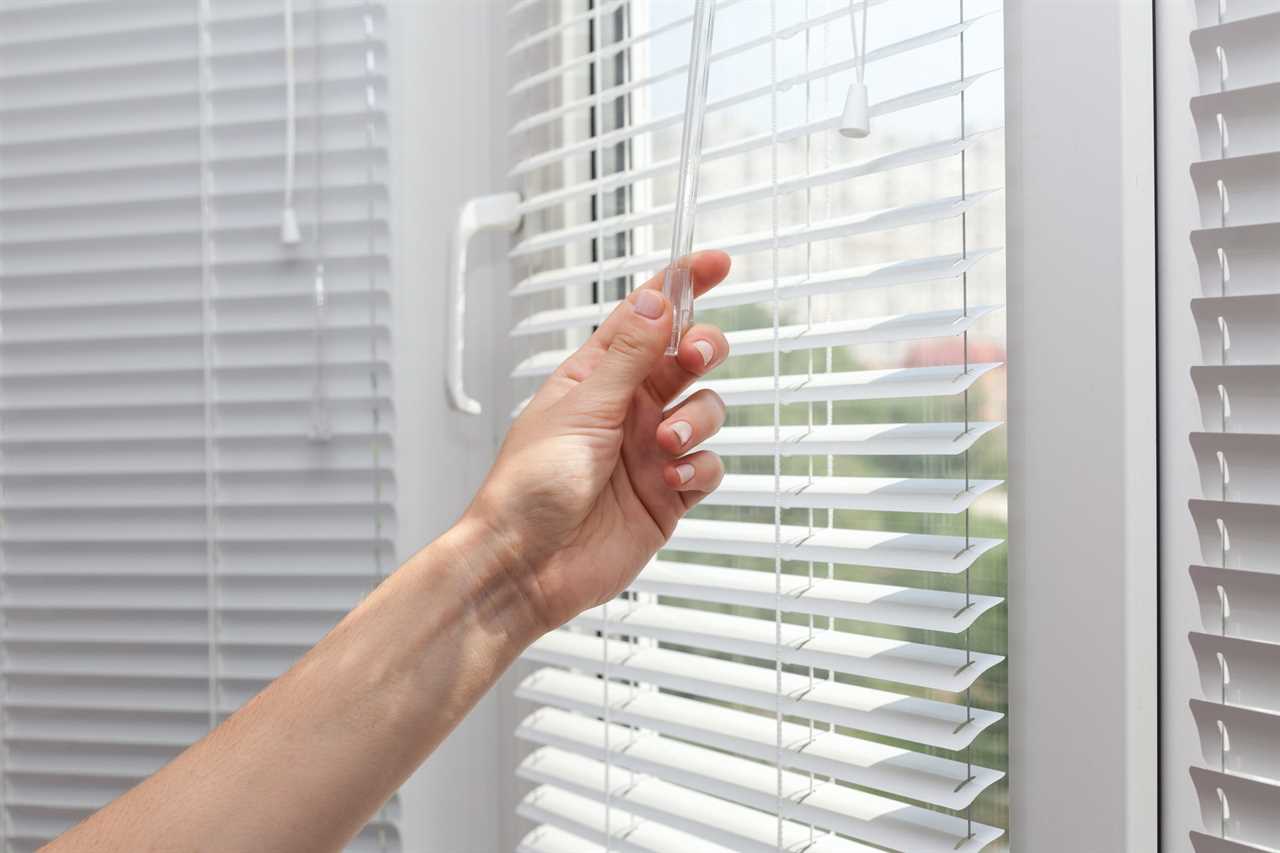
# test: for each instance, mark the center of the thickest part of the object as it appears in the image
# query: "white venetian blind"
(816, 660)
(195, 457)
(1237, 450)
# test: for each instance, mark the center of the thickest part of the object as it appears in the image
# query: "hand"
(589, 484)
(594, 474)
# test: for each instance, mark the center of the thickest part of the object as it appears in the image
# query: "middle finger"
(691, 423)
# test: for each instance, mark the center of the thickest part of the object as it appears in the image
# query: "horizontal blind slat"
(898, 383)
(1251, 735)
(916, 664)
(627, 132)
(862, 815)
(626, 832)
(1254, 803)
(611, 93)
(734, 294)
(799, 337)
(714, 821)
(1202, 843)
(873, 494)
(928, 610)
(939, 781)
(920, 439)
(916, 98)
(846, 226)
(549, 839)
(707, 204)
(880, 712)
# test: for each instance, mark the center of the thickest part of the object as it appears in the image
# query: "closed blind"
(195, 453)
(1237, 450)
(815, 662)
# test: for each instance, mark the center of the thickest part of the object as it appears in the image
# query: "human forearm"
(590, 482)
(305, 764)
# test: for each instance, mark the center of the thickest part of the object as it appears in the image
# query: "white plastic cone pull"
(855, 121)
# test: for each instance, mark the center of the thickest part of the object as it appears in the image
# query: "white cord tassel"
(855, 121)
(290, 233)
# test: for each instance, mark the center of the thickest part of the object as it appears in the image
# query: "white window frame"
(1082, 421)
(1081, 301)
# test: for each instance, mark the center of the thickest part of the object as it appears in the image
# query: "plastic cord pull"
(677, 283)
(677, 286)
(855, 121)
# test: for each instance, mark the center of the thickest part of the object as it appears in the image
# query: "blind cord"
(855, 121)
(859, 49)
(596, 82)
(208, 284)
(290, 233)
(321, 426)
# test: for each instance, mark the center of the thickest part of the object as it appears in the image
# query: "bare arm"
(589, 484)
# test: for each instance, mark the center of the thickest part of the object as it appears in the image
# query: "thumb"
(634, 351)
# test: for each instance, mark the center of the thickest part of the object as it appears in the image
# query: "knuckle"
(628, 345)
(707, 397)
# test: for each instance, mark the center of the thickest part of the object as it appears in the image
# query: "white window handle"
(483, 213)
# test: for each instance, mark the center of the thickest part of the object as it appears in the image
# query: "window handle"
(500, 211)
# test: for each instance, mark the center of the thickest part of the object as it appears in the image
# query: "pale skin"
(588, 485)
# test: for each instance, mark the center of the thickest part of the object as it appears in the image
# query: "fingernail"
(706, 350)
(683, 432)
(649, 304)
(684, 472)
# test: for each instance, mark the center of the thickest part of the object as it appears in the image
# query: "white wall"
(449, 143)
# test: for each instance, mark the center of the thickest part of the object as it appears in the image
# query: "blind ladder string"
(596, 83)
(808, 315)
(777, 413)
(964, 287)
(4, 593)
(370, 138)
(370, 132)
(828, 351)
(320, 423)
(289, 235)
(627, 191)
(1224, 267)
(625, 194)
(624, 241)
(1224, 604)
(204, 49)
(321, 427)
(622, 62)
(1224, 535)
(1224, 670)
(371, 278)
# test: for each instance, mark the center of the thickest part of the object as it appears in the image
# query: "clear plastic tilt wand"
(677, 283)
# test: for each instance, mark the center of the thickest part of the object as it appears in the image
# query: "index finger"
(708, 269)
